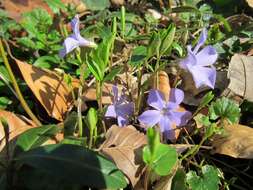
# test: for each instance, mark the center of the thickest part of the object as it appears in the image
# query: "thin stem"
(16, 87)
(146, 178)
(79, 110)
(91, 138)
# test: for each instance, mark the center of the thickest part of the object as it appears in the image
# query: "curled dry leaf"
(124, 147)
(240, 74)
(17, 124)
(237, 141)
(49, 88)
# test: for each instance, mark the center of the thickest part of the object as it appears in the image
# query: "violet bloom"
(197, 61)
(75, 40)
(120, 109)
(165, 113)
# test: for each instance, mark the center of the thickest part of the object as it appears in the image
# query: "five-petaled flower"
(75, 40)
(120, 109)
(165, 113)
(196, 63)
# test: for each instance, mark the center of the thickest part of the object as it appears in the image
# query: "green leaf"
(179, 180)
(167, 37)
(164, 160)
(95, 69)
(206, 100)
(92, 118)
(76, 164)
(138, 56)
(225, 109)
(159, 157)
(35, 137)
(110, 76)
(96, 5)
(27, 42)
(46, 62)
(55, 5)
(154, 45)
(208, 181)
(4, 102)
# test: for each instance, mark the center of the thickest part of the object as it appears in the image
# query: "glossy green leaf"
(96, 5)
(164, 160)
(225, 109)
(4, 102)
(208, 181)
(75, 163)
(205, 100)
(92, 118)
(154, 45)
(167, 37)
(46, 62)
(179, 181)
(112, 74)
(139, 55)
(35, 137)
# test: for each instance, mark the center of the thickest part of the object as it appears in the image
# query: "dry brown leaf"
(118, 2)
(237, 142)
(15, 8)
(49, 88)
(164, 84)
(240, 74)
(124, 147)
(17, 124)
(250, 3)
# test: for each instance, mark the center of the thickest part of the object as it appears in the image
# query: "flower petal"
(111, 111)
(180, 118)
(202, 39)
(203, 76)
(170, 134)
(165, 123)
(115, 92)
(189, 60)
(85, 43)
(122, 121)
(150, 117)
(156, 99)
(125, 110)
(75, 25)
(207, 56)
(70, 44)
(176, 96)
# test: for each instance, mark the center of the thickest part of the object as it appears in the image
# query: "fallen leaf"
(15, 8)
(124, 147)
(118, 2)
(237, 141)
(240, 74)
(164, 84)
(17, 124)
(250, 3)
(49, 88)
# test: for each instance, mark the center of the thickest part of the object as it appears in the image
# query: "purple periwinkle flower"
(165, 113)
(120, 109)
(200, 63)
(75, 40)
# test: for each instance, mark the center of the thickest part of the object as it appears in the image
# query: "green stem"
(99, 86)
(16, 87)
(79, 110)
(91, 138)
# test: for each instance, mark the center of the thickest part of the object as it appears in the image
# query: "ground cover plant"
(126, 94)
